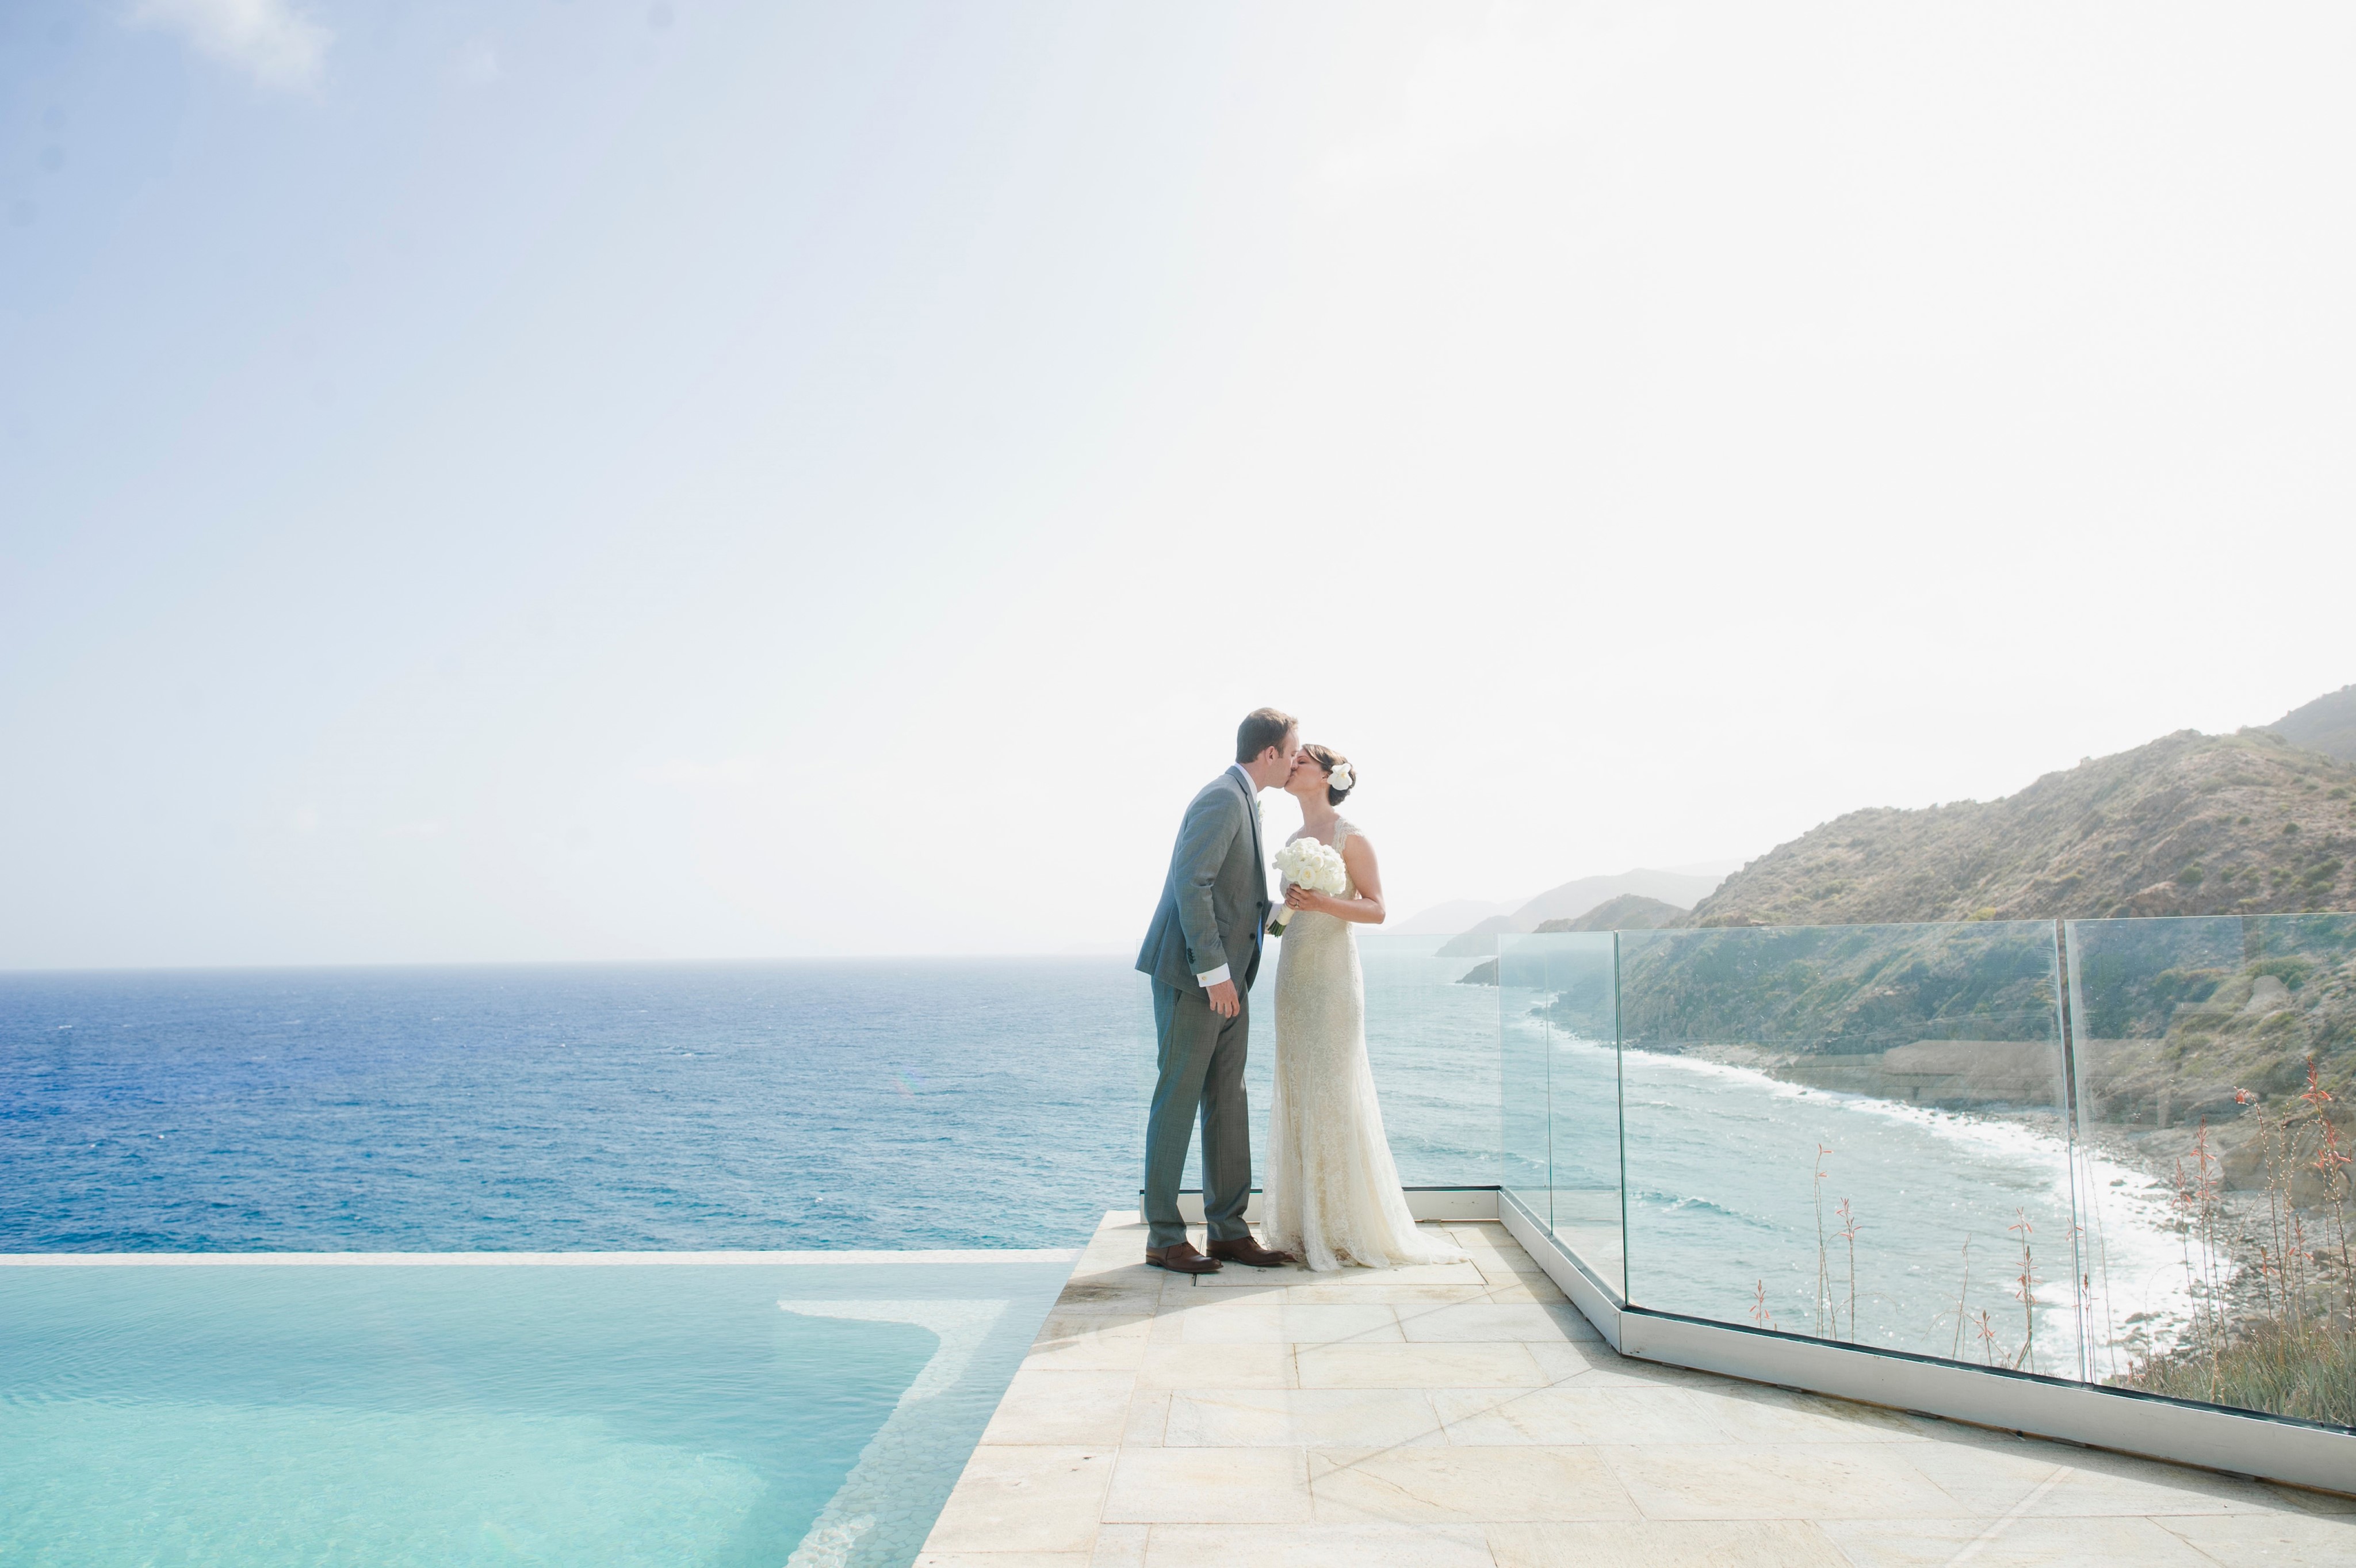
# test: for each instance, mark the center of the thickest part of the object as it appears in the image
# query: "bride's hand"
(1299, 898)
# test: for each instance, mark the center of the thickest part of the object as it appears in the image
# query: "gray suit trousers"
(1202, 1063)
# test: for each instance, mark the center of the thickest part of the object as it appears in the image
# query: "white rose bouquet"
(1305, 863)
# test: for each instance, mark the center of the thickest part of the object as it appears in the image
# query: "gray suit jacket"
(1215, 900)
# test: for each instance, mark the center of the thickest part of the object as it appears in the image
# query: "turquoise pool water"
(442, 1412)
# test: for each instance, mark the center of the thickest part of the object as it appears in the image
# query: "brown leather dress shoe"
(1180, 1257)
(1250, 1254)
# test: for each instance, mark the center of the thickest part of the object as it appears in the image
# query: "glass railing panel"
(1853, 1133)
(1517, 971)
(1432, 1040)
(1576, 1007)
(2214, 1059)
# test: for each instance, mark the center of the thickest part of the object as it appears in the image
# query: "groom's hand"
(1223, 999)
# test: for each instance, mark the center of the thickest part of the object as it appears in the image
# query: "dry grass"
(2267, 1366)
(2279, 1335)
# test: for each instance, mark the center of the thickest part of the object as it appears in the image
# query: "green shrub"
(2291, 971)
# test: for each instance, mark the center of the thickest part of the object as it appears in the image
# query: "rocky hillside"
(2191, 825)
(2327, 724)
(1629, 912)
(1573, 899)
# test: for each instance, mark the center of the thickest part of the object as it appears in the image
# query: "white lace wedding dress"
(1332, 1193)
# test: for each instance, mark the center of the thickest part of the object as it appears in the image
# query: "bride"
(1333, 1194)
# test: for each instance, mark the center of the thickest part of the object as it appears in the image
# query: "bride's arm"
(1367, 908)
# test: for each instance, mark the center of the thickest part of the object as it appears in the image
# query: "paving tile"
(1270, 1417)
(1208, 1486)
(1499, 1271)
(1365, 1544)
(2304, 1499)
(1046, 1404)
(1061, 1327)
(1256, 1418)
(1490, 1320)
(1989, 1474)
(1413, 1274)
(1108, 1250)
(1465, 1486)
(1371, 1323)
(1418, 1367)
(1479, 1235)
(2123, 1542)
(1594, 1362)
(1752, 1413)
(1216, 1367)
(1385, 1294)
(1148, 1417)
(1251, 1321)
(1025, 1499)
(1572, 1413)
(1666, 1544)
(1233, 1277)
(1750, 1480)
(1120, 1546)
(2290, 1540)
(1123, 1291)
(1090, 1340)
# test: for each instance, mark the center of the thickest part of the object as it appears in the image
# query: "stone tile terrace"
(1468, 1415)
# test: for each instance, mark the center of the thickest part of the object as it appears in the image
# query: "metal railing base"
(2264, 1447)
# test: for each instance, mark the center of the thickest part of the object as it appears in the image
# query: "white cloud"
(270, 38)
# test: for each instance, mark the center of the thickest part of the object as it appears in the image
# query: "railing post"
(1620, 1109)
(2081, 1195)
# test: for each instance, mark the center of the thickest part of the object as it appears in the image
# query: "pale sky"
(536, 480)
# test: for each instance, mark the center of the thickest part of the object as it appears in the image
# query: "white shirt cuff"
(1216, 977)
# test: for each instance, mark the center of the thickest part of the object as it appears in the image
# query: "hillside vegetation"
(2181, 1018)
(2191, 825)
(1629, 912)
(2327, 724)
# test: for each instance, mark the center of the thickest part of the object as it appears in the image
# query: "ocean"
(894, 1104)
(619, 1107)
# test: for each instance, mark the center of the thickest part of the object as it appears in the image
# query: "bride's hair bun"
(1342, 778)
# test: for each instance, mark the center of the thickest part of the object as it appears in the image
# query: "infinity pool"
(765, 1409)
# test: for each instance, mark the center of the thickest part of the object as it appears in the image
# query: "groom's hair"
(1262, 728)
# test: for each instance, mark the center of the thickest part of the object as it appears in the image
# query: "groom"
(1213, 909)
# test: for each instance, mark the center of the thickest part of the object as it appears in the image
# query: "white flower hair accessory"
(1342, 777)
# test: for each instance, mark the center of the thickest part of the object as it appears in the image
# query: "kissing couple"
(1332, 1195)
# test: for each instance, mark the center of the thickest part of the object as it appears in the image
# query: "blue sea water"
(784, 1105)
(582, 1106)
